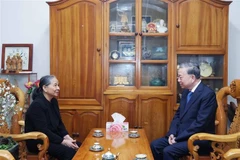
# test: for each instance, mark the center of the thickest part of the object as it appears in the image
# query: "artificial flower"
(31, 86)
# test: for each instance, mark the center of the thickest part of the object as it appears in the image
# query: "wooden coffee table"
(117, 142)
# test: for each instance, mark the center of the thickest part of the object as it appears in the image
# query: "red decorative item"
(151, 27)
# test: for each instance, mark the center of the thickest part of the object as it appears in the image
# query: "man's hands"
(68, 141)
(171, 139)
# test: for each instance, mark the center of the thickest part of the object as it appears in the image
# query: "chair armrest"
(211, 137)
(32, 135)
(232, 153)
(6, 155)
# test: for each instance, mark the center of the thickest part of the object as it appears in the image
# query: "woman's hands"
(69, 142)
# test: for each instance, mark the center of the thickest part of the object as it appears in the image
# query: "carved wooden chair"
(12, 102)
(6, 155)
(225, 145)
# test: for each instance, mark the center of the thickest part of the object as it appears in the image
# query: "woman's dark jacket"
(44, 116)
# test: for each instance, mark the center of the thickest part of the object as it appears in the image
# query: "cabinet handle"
(177, 25)
(136, 33)
(98, 49)
(140, 34)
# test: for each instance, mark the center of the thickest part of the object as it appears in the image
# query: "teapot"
(109, 156)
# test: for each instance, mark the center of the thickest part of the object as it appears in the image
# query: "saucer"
(134, 135)
(98, 134)
(96, 150)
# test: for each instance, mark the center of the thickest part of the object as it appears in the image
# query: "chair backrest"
(12, 100)
(232, 90)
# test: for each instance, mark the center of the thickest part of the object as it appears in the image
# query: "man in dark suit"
(195, 114)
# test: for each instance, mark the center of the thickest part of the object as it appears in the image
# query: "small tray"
(96, 150)
(98, 135)
(134, 135)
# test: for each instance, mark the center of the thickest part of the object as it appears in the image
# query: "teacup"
(141, 156)
(98, 131)
(96, 146)
(133, 132)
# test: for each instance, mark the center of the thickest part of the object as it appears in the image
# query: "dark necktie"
(189, 96)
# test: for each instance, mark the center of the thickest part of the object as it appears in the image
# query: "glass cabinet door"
(211, 69)
(154, 43)
(122, 16)
(138, 43)
(154, 16)
(122, 43)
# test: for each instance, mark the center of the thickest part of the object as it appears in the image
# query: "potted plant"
(10, 145)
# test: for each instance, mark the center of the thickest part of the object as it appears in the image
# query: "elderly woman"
(43, 115)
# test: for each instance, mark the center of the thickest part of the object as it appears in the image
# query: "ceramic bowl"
(141, 156)
(96, 146)
(133, 132)
(97, 131)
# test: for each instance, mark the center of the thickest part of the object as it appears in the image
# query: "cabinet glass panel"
(122, 48)
(122, 74)
(154, 16)
(121, 16)
(154, 75)
(211, 70)
(154, 48)
(212, 63)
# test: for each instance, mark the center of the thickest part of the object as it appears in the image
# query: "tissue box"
(117, 127)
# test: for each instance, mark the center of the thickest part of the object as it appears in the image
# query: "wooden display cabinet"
(201, 31)
(122, 56)
(136, 77)
(201, 25)
(76, 60)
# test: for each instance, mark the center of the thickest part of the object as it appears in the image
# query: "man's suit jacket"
(199, 116)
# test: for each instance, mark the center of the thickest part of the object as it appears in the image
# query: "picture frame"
(126, 49)
(24, 50)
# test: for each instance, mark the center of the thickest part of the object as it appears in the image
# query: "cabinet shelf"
(19, 79)
(121, 34)
(203, 78)
(122, 61)
(17, 73)
(155, 34)
(154, 61)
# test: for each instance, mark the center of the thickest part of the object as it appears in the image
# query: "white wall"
(234, 41)
(27, 21)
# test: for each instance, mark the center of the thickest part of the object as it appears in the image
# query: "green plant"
(6, 143)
